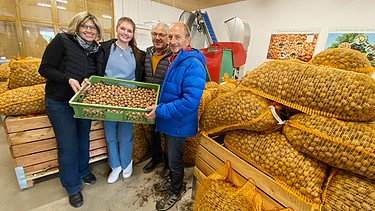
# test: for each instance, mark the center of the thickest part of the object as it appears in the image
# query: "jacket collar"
(165, 50)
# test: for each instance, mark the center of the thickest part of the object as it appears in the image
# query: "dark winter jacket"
(161, 68)
(103, 55)
(63, 59)
(180, 94)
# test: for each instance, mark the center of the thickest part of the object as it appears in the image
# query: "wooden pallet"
(211, 155)
(32, 145)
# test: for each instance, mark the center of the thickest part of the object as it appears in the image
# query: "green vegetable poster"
(361, 39)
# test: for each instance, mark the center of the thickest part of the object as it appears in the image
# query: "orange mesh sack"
(297, 173)
(345, 59)
(205, 100)
(312, 89)
(190, 149)
(222, 191)
(228, 85)
(224, 88)
(348, 191)
(141, 143)
(4, 87)
(28, 100)
(238, 109)
(4, 71)
(25, 73)
(211, 86)
(342, 144)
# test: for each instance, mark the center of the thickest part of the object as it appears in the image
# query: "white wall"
(141, 11)
(263, 16)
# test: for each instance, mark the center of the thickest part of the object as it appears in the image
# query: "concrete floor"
(134, 193)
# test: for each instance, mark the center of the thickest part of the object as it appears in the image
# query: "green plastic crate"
(112, 113)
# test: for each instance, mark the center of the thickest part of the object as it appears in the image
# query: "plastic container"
(113, 113)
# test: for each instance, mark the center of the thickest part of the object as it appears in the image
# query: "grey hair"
(160, 25)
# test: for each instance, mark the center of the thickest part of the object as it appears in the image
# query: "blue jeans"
(73, 144)
(119, 143)
(174, 147)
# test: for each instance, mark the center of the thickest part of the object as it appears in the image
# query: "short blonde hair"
(82, 18)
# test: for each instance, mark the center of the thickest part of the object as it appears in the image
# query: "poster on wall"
(361, 39)
(293, 44)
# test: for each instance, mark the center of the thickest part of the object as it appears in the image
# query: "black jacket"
(63, 59)
(103, 55)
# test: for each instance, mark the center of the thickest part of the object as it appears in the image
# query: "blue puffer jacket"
(180, 94)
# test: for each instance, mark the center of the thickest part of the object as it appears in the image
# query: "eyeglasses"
(161, 35)
(92, 28)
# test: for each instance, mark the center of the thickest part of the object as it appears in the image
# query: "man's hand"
(152, 113)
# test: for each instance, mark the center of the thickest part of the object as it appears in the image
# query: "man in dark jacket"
(177, 111)
(156, 65)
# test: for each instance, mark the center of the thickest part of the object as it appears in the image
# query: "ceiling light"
(107, 16)
(48, 5)
(43, 5)
(61, 8)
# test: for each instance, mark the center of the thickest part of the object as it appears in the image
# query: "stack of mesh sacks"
(328, 106)
(23, 92)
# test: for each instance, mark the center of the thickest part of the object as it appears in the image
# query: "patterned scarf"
(90, 48)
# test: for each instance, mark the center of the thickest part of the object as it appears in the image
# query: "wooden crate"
(212, 155)
(32, 145)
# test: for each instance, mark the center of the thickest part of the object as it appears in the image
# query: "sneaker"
(163, 185)
(168, 201)
(76, 200)
(151, 165)
(127, 172)
(113, 176)
(89, 179)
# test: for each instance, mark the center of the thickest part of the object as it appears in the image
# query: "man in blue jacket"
(177, 111)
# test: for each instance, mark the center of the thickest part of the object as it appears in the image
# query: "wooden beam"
(191, 5)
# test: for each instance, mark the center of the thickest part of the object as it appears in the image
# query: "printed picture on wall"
(293, 44)
(361, 39)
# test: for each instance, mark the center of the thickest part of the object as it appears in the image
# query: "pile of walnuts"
(122, 96)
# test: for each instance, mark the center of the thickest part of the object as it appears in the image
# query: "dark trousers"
(155, 145)
(174, 147)
(72, 136)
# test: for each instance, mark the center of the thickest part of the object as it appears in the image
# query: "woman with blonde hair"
(67, 63)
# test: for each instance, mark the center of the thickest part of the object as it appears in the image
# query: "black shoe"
(76, 200)
(165, 172)
(89, 179)
(168, 201)
(151, 165)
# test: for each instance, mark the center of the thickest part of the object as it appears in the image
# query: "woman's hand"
(76, 86)
(88, 87)
(152, 113)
